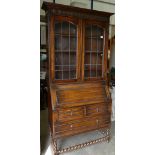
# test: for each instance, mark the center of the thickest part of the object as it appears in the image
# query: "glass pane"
(58, 68)
(87, 58)
(72, 29)
(100, 57)
(87, 73)
(65, 50)
(94, 44)
(93, 73)
(58, 75)
(94, 31)
(93, 58)
(72, 58)
(88, 31)
(100, 44)
(72, 67)
(73, 43)
(88, 44)
(100, 31)
(65, 43)
(66, 68)
(99, 70)
(65, 75)
(87, 67)
(66, 58)
(94, 38)
(58, 59)
(57, 28)
(93, 67)
(57, 43)
(65, 28)
(73, 74)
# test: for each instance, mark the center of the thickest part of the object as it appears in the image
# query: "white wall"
(101, 6)
(112, 56)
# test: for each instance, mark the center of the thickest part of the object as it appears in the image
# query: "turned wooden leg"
(55, 153)
(109, 135)
(55, 147)
(108, 139)
(106, 133)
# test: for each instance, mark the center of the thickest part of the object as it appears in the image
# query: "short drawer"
(70, 113)
(96, 109)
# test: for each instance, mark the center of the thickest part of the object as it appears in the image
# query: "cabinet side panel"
(106, 50)
(52, 55)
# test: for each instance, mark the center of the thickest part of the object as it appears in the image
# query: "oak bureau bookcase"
(78, 95)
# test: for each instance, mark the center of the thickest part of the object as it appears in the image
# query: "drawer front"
(81, 125)
(70, 113)
(97, 109)
(66, 114)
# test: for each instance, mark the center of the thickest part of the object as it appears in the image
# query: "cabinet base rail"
(105, 132)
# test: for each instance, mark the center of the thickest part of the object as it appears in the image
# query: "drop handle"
(71, 126)
(85, 111)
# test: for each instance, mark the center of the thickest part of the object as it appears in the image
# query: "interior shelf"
(65, 70)
(65, 51)
(65, 35)
(94, 52)
(94, 37)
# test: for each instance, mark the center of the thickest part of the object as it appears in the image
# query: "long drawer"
(81, 125)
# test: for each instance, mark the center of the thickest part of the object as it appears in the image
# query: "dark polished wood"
(48, 6)
(79, 100)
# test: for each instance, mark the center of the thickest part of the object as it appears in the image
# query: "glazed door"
(66, 49)
(94, 51)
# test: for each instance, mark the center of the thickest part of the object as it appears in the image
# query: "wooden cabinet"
(78, 96)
